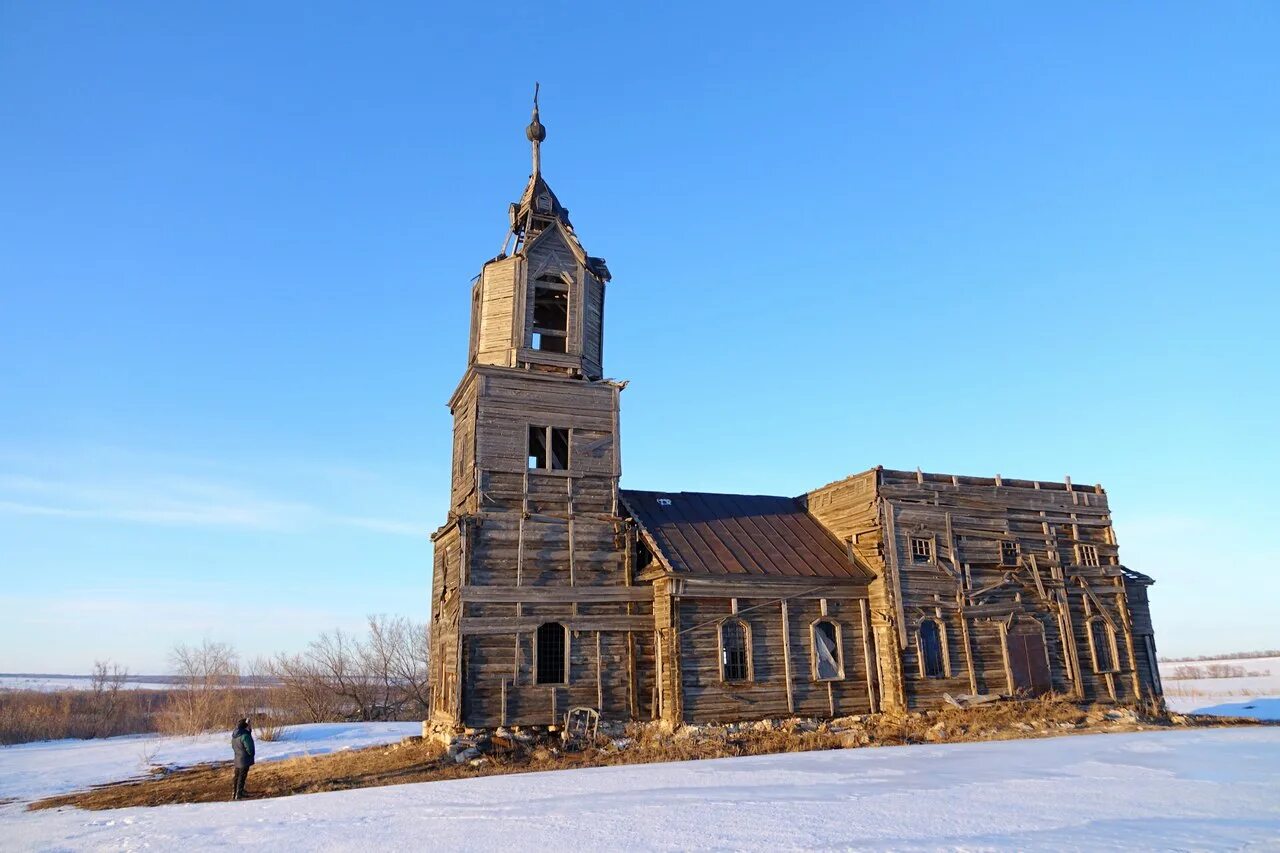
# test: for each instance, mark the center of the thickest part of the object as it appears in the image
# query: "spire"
(536, 133)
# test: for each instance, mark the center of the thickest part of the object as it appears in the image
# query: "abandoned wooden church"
(554, 588)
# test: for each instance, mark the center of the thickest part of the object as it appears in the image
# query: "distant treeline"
(1214, 670)
(1264, 653)
(381, 675)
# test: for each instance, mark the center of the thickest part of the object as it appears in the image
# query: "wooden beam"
(555, 594)
(786, 657)
(894, 587)
(599, 677)
(498, 625)
(869, 656)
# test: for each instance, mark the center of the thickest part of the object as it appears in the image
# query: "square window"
(921, 549)
(1087, 555)
(548, 448)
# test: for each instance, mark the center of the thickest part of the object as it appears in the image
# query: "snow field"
(1249, 696)
(1207, 789)
(30, 771)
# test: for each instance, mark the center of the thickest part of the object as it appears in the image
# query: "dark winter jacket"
(242, 744)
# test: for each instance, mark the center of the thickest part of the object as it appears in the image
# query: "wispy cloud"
(178, 500)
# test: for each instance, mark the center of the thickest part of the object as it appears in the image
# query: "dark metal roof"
(712, 534)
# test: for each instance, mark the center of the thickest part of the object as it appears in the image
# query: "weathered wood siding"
(592, 325)
(548, 546)
(850, 509)
(499, 312)
(974, 594)
(445, 612)
(783, 681)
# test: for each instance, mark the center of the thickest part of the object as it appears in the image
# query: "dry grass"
(425, 761)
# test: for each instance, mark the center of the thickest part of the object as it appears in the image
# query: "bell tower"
(541, 307)
(530, 595)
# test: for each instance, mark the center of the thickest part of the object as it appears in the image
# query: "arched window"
(1102, 640)
(551, 654)
(933, 656)
(735, 650)
(828, 660)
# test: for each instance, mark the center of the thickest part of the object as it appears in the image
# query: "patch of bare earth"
(417, 760)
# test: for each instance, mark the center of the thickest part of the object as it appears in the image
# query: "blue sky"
(237, 246)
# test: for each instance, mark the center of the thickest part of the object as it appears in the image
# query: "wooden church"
(553, 588)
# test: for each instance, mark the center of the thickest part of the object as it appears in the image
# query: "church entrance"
(1028, 662)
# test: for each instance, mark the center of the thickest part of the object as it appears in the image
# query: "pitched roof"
(763, 535)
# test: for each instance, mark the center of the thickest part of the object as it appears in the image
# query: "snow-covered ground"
(51, 683)
(30, 771)
(1206, 789)
(1250, 696)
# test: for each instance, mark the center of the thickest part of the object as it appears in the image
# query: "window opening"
(550, 314)
(921, 549)
(559, 449)
(932, 662)
(1008, 552)
(827, 663)
(733, 651)
(1102, 638)
(537, 447)
(548, 448)
(1087, 554)
(550, 650)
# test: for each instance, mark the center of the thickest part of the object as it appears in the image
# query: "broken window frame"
(921, 549)
(817, 650)
(547, 289)
(738, 669)
(547, 659)
(1087, 555)
(1109, 645)
(549, 448)
(1009, 552)
(943, 667)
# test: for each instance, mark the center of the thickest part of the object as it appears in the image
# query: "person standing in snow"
(242, 746)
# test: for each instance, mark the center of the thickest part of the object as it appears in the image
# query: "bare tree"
(206, 698)
(305, 693)
(105, 699)
(411, 664)
(338, 658)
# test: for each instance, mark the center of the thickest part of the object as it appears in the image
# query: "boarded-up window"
(550, 653)
(1102, 640)
(550, 314)
(734, 653)
(828, 663)
(921, 549)
(1008, 552)
(548, 448)
(1087, 555)
(932, 657)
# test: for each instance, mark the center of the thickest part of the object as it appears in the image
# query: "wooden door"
(1028, 662)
